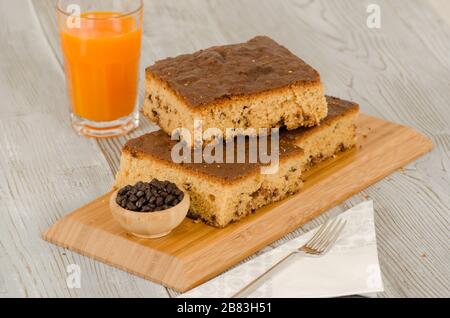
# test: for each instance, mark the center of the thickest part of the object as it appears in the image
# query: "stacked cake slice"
(257, 84)
(244, 89)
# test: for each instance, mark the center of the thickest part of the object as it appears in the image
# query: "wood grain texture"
(399, 72)
(194, 253)
(45, 170)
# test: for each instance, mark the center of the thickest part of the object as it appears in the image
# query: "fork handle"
(262, 278)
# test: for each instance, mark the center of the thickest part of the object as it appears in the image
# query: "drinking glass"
(101, 45)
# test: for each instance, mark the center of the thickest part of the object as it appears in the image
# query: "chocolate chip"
(159, 201)
(149, 196)
(169, 199)
(131, 206)
(139, 185)
(140, 203)
(146, 209)
(123, 191)
(140, 194)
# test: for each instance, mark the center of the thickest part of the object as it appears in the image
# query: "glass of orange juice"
(101, 45)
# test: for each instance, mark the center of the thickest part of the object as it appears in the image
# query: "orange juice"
(102, 65)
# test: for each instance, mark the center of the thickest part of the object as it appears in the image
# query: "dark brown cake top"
(222, 72)
(339, 107)
(159, 145)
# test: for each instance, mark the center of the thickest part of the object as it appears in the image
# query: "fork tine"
(326, 234)
(313, 241)
(333, 237)
(318, 233)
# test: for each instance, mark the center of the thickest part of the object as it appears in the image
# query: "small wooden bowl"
(150, 225)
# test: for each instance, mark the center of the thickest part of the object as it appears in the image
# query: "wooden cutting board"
(195, 253)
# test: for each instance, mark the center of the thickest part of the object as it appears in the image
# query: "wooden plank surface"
(45, 170)
(400, 72)
(194, 253)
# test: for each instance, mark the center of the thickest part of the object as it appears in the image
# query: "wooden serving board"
(194, 253)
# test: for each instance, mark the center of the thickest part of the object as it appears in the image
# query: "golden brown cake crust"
(158, 145)
(219, 73)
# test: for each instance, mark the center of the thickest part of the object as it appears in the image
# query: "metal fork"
(318, 245)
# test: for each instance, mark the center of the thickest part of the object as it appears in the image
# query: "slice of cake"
(223, 193)
(253, 85)
(220, 193)
(336, 133)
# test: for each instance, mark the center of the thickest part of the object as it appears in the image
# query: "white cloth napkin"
(351, 267)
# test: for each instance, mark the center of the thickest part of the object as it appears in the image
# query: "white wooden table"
(400, 72)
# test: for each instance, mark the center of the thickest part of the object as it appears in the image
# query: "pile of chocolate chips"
(149, 197)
